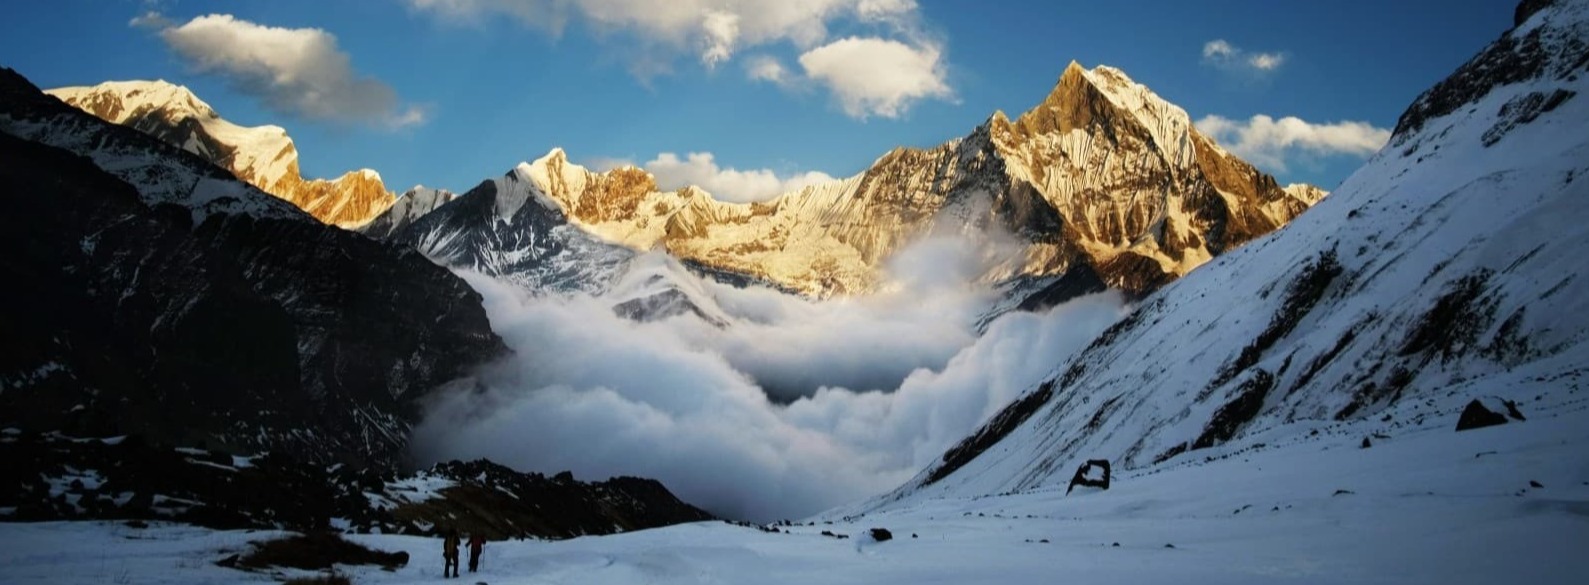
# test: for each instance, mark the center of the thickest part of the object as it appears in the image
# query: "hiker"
(476, 542)
(449, 553)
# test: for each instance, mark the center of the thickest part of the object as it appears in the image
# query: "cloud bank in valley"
(871, 389)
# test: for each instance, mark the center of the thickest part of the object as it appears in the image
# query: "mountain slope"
(507, 228)
(407, 209)
(1448, 269)
(262, 156)
(165, 299)
(1102, 174)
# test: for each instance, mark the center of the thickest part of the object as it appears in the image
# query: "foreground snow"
(1429, 507)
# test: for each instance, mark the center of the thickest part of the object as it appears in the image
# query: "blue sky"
(449, 92)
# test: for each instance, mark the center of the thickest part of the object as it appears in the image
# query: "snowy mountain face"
(1447, 270)
(262, 156)
(408, 207)
(1103, 174)
(507, 228)
(168, 300)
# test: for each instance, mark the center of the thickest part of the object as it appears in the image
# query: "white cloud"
(150, 20)
(1218, 49)
(767, 68)
(1223, 55)
(716, 29)
(874, 76)
(299, 71)
(879, 76)
(688, 403)
(721, 29)
(1267, 142)
(607, 163)
(1266, 61)
(725, 184)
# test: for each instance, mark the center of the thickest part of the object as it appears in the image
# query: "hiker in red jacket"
(476, 542)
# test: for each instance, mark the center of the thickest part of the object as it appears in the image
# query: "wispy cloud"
(1269, 143)
(295, 71)
(726, 183)
(883, 73)
(1220, 54)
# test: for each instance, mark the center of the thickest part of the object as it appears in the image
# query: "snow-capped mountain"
(166, 299)
(507, 228)
(1103, 174)
(262, 156)
(1447, 270)
(409, 207)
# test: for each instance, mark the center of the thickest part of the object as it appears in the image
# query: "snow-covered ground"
(1433, 506)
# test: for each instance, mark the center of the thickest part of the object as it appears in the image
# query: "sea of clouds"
(796, 406)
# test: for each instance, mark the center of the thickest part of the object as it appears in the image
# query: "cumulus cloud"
(1221, 54)
(726, 184)
(874, 76)
(880, 75)
(689, 404)
(299, 72)
(1268, 143)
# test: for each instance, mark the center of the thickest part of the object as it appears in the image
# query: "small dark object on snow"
(1535, 484)
(1169, 546)
(1082, 479)
(882, 534)
(913, 535)
(1367, 443)
(1116, 545)
(1044, 541)
(1343, 492)
(1477, 416)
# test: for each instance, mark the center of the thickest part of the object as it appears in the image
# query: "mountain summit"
(262, 156)
(1443, 275)
(1103, 176)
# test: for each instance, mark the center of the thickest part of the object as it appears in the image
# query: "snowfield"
(1434, 506)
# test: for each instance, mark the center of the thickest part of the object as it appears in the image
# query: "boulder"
(1488, 413)
(1086, 477)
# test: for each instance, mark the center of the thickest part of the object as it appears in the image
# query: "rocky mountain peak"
(262, 156)
(1102, 175)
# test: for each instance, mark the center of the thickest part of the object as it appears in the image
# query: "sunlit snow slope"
(262, 156)
(1449, 268)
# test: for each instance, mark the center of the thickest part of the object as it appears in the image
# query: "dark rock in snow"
(1086, 477)
(881, 534)
(1535, 484)
(1476, 416)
